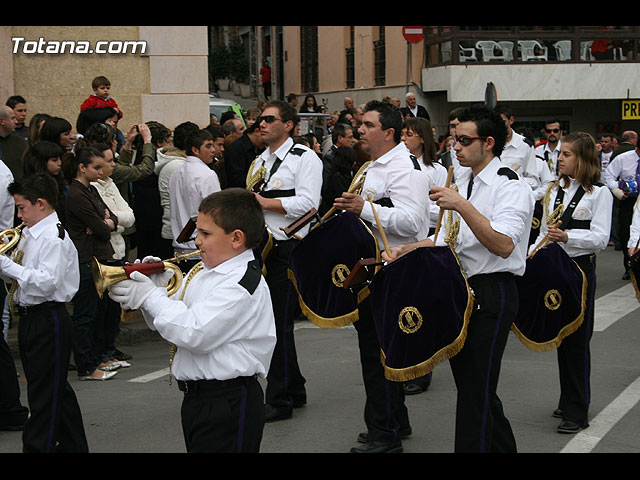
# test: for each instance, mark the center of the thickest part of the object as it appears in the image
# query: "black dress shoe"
(406, 432)
(557, 413)
(379, 447)
(626, 276)
(274, 414)
(567, 426)
(413, 389)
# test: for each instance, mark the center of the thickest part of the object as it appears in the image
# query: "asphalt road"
(138, 411)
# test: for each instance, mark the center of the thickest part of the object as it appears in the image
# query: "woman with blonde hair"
(582, 232)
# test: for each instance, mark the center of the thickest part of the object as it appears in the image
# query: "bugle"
(13, 236)
(104, 275)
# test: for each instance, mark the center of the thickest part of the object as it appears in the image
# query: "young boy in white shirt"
(221, 321)
(47, 277)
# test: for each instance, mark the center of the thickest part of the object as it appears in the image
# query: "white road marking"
(586, 440)
(151, 376)
(613, 306)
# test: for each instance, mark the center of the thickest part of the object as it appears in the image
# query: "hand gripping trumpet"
(12, 236)
(104, 275)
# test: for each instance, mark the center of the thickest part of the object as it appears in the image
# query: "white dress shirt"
(550, 157)
(634, 232)
(49, 270)
(7, 205)
(438, 174)
(301, 172)
(622, 166)
(221, 330)
(595, 206)
(521, 158)
(508, 205)
(188, 186)
(546, 177)
(394, 176)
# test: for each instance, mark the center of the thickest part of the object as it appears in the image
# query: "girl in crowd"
(58, 130)
(582, 233)
(89, 223)
(109, 312)
(46, 157)
(417, 135)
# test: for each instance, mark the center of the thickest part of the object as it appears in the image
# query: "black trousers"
(12, 412)
(481, 425)
(85, 307)
(625, 216)
(222, 416)
(574, 356)
(106, 325)
(285, 382)
(384, 412)
(55, 424)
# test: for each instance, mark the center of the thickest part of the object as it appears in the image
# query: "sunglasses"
(267, 119)
(465, 141)
(552, 130)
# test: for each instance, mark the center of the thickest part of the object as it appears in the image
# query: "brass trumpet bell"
(105, 275)
(13, 236)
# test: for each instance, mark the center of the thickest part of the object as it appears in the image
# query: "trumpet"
(104, 275)
(13, 236)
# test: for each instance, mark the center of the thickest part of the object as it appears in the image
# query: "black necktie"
(469, 187)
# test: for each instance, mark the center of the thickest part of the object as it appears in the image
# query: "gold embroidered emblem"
(409, 320)
(552, 299)
(535, 223)
(339, 274)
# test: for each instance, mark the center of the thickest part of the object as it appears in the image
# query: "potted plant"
(239, 68)
(220, 65)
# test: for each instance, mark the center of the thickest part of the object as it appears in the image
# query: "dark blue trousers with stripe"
(481, 425)
(45, 341)
(222, 416)
(574, 356)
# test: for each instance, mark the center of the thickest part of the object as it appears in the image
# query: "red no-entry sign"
(413, 34)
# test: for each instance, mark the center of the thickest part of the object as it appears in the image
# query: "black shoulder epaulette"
(527, 141)
(541, 158)
(507, 172)
(252, 276)
(61, 231)
(298, 151)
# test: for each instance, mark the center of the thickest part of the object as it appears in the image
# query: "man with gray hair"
(415, 110)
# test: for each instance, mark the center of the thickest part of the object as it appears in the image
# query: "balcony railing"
(568, 44)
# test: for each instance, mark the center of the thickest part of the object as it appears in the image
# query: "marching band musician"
(396, 184)
(634, 230)
(290, 188)
(221, 322)
(495, 209)
(583, 233)
(188, 185)
(47, 278)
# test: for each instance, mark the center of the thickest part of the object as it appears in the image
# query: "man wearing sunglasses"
(550, 150)
(398, 188)
(495, 208)
(291, 188)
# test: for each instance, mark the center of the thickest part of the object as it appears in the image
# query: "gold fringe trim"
(319, 321)
(442, 355)
(564, 331)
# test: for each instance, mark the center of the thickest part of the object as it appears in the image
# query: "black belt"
(203, 386)
(26, 310)
(491, 277)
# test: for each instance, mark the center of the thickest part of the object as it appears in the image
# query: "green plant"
(220, 61)
(239, 69)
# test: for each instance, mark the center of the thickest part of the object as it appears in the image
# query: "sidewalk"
(131, 333)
